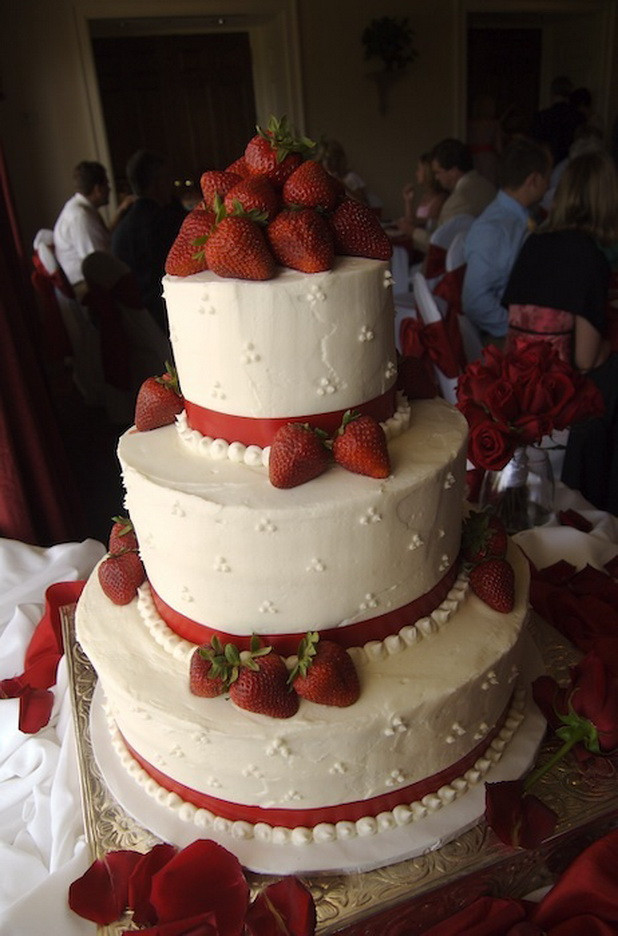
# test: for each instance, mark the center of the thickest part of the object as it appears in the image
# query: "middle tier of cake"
(225, 551)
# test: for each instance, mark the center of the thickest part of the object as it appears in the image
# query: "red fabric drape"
(37, 498)
(115, 344)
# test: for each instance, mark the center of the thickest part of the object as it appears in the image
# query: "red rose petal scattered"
(35, 708)
(204, 877)
(518, 819)
(285, 907)
(140, 882)
(101, 894)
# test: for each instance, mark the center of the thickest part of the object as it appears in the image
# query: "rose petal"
(203, 877)
(140, 882)
(101, 894)
(35, 708)
(518, 819)
(203, 924)
(574, 519)
(285, 908)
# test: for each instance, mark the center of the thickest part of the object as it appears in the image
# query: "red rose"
(474, 413)
(490, 445)
(593, 695)
(586, 403)
(501, 401)
(531, 429)
(474, 383)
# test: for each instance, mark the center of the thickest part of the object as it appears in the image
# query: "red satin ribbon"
(351, 812)
(434, 341)
(261, 432)
(435, 261)
(57, 278)
(449, 288)
(350, 635)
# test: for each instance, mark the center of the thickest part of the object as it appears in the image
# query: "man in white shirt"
(80, 229)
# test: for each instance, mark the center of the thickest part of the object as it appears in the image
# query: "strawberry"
(311, 186)
(358, 233)
(186, 255)
(237, 248)
(159, 401)
(297, 454)
(254, 194)
(216, 182)
(325, 673)
(360, 446)
(275, 152)
(209, 671)
(122, 535)
(301, 239)
(493, 580)
(120, 575)
(483, 535)
(239, 166)
(262, 684)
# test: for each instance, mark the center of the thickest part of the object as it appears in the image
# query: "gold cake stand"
(412, 895)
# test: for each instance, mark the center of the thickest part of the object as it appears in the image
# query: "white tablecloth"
(42, 846)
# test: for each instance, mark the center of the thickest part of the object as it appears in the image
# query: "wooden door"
(188, 97)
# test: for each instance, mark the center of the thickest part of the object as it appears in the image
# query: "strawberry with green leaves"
(493, 581)
(253, 196)
(159, 401)
(360, 446)
(325, 673)
(186, 255)
(311, 186)
(236, 247)
(298, 453)
(301, 239)
(120, 575)
(358, 232)
(483, 535)
(276, 152)
(212, 667)
(122, 535)
(262, 683)
(216, 183)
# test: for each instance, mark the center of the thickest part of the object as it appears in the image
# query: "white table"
(42, 844)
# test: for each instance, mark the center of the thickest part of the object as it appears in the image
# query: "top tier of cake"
(254, 355)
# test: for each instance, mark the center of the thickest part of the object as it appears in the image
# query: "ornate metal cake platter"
(412, 895)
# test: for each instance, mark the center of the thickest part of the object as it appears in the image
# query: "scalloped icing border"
(254, 455)
(409, 635)
(401, 815)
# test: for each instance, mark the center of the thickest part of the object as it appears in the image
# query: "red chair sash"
(115, 350)
(449, 288)
(55, 335)
(57, 278)
(435, 261)
(434, 341)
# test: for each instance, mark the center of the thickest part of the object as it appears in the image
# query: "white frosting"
(254, 455)
(295, 345)
(420, 710)
(225, 548)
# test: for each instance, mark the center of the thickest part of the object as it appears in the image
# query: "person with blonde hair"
(558, 291)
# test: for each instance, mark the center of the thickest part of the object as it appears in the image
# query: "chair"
(82, 334)
(133, 346)
(430, 314)
(455, 256)
(439, 243)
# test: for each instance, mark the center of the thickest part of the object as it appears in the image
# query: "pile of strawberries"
(299, 452)
(258, 679)
(273, 206)
(483, 547)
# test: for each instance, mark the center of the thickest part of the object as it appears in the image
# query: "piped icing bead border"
(254, 455)
(367, 826)
(407, 636)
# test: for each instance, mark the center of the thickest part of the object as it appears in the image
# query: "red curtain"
(38, 500)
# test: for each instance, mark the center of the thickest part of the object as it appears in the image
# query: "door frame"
(549, 8)
(273, 36)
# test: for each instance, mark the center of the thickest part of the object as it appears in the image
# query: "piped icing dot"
(388, 280)
(370, 601)
(266, 526)
(449, 481)
(217, 391)
(416, 541)
(249, 354)
(444, 563)
(186, 595)
(371, 516)
(267, 607)
(326, 386)
(366, 334)
(315, 294)
(177, 510)
(221, 565)
(391, 370)
(316, 565)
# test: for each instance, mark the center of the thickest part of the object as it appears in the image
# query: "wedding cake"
(233, 562)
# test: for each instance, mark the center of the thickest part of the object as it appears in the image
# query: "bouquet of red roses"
(516, 397)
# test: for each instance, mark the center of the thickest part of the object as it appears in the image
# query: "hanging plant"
(389, 40)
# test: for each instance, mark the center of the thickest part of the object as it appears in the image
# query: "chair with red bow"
(66, 320)
(133, 347)
(439, 244)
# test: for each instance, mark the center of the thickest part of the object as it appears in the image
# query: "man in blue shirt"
(495, 238)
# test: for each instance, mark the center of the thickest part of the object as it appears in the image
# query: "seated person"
(79, 229)
(558, 291)
(469, 192)
(495, 237)
(422, 204)
(145, 234)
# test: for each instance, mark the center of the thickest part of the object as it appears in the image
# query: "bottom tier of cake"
(439, 703)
